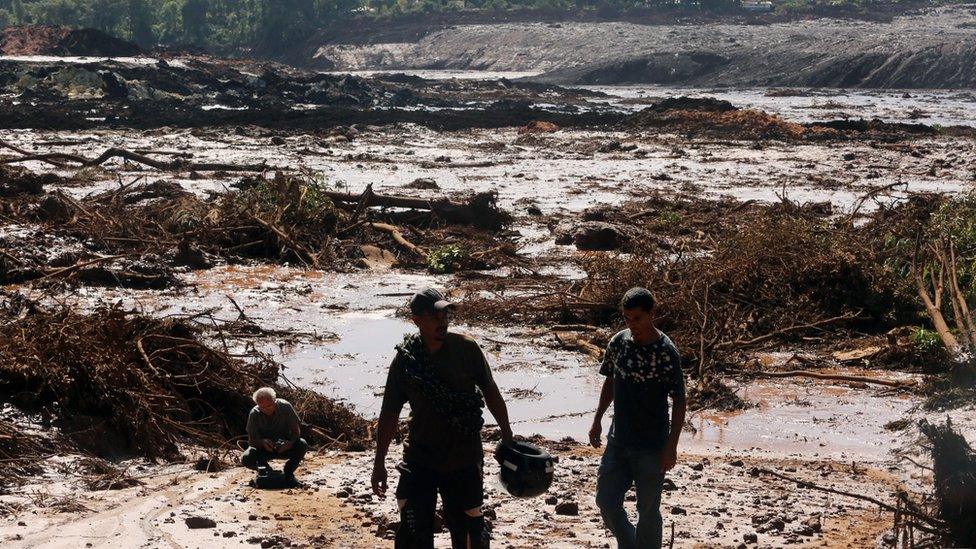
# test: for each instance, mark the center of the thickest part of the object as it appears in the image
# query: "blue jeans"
(620, 469)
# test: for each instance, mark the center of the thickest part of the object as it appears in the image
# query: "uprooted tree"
(937, 253)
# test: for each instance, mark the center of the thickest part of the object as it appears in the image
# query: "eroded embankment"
(934, 49)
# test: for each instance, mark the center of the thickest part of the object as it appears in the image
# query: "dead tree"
(935, 271)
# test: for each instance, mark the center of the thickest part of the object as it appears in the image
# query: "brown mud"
(778, 250)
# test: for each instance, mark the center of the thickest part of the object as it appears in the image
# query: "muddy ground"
(930, 48)
(344, 318)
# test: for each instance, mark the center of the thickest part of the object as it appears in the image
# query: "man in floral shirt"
(642, 370)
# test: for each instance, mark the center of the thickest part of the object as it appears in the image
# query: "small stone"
(813, 523)
(552, 500)
(200, 522)
(737, 463)
(678, 510)
(697, 466)
(751, 537)
(569, 508)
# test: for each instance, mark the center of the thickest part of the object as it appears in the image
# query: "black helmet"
(526, 469)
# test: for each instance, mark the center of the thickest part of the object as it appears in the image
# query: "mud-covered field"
(924, 48)
(275, 221)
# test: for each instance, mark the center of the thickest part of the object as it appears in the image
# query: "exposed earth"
(299, 210)
(931, 48)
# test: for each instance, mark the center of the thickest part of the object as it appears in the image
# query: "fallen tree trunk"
(838, 377)
(480, 211)
(114, 152)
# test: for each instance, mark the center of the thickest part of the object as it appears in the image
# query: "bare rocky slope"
(935, 48)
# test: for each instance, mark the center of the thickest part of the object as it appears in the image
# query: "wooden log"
(399, 238)
(839, 377)
(452, 212)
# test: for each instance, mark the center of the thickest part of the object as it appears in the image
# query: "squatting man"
(274, 432)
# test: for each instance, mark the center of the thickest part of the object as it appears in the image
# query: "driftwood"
(573, 340)
(399, 238)
(479, 211)
(838, 377)
(58, 159)
(739, 343)
(936, 523)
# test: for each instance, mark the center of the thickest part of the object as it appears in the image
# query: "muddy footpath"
(177, 231)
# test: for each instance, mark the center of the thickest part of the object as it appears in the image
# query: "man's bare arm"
(385, 431)
(496, 405)
(606, 398)
(670, 455)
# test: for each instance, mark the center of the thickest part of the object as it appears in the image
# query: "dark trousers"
(620, 469)
(255, 457)
(460, 491)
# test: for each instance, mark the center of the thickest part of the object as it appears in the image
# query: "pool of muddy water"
(550, 391)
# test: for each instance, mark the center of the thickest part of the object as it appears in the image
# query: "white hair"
(264, 392)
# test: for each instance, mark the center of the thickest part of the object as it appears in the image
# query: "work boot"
(292, 482)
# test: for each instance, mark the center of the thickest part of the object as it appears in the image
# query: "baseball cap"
(428, 301)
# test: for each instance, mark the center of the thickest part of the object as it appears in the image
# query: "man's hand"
(669, 456)
(267, 444)
(507, 436)
(595, 431)
(378, 480)
(285, 447)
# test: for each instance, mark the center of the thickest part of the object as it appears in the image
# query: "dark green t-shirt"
(644, 376)
(431, 441)
(278, 425)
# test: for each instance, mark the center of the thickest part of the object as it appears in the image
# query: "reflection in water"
(788, 416)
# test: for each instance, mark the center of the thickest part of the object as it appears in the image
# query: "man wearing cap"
(642, 370)
(445, 378)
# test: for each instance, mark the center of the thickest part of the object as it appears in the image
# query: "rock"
(777, 524)
(594, 214)
(803, 531)
(737, 463)
(698, 466)
(195, 258)
(598, 236)
(569, 508)
(534, 211)
(423, 183)
(552, 500)
(375, 258)
(678, 510)
(813, 523)
(200, 522)
(277, 140)
(538, 126)
(750, 537)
